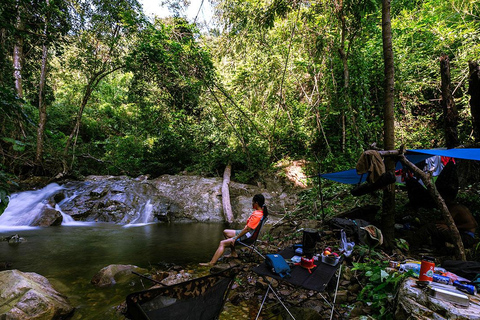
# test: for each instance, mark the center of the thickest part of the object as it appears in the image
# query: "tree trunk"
(450, 113)
(18, 61)
(452, 228)
(42, 108)
(92, 84)
(76, 129)
(346, 76)
(474, 92)
(227, 208)
(346, 79)
(18, 53)
(388, 203)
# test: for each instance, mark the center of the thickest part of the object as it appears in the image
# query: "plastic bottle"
(440, 270)
(404, 267)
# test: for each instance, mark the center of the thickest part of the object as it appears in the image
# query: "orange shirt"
(254, 219)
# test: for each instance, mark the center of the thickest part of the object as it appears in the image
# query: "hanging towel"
(370, 161)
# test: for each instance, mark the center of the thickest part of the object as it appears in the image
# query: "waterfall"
(145, 215)
(67, 219)
(24, 207)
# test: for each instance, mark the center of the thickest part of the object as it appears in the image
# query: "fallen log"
(227, 207)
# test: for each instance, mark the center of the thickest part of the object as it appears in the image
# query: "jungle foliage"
(271, 80)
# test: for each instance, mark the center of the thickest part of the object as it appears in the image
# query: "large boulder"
(200, 199)
(113, 199)
(48, 216)
(30, 296)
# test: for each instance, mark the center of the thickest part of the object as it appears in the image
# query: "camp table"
(317, 280)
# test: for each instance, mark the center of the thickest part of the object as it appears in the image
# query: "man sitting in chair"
(231, 236)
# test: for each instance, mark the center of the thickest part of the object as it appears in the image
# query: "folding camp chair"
(251, 242)
(198, 299)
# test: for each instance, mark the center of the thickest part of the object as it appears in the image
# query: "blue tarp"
(349, 176)
(414, 156)
(467, 154)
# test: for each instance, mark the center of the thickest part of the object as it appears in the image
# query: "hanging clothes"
(446, 160)
(434, 165)
(370, 161)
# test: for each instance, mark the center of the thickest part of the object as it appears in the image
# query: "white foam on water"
(24, 207)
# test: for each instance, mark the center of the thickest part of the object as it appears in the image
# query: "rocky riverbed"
(125, 200)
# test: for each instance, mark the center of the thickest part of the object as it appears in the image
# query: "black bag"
(352, 228)
(418, 195)
(277, 264)
(465, 269)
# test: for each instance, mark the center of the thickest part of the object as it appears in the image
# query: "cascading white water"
(144, 216)
(67, 220)
(24, 207)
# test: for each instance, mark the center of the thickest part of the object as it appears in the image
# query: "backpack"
(277, 264)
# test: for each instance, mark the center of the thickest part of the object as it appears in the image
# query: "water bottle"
(404, 267)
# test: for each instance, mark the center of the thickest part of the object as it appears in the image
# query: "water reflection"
(69, 256)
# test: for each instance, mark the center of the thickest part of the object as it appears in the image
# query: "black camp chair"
(198, 299)
(251, 242)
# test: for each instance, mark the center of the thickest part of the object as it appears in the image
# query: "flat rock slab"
(417, 303)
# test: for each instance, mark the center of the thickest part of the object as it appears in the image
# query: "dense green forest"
(94, 87)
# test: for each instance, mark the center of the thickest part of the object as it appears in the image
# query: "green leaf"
(383, 275)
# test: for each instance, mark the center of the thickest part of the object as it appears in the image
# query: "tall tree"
(18, 49)
(474, 92)
(42, 109)
(388, 214)
(9, 106)
(450, 113)
(18, 58)
(102, 36)
(350, 14)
